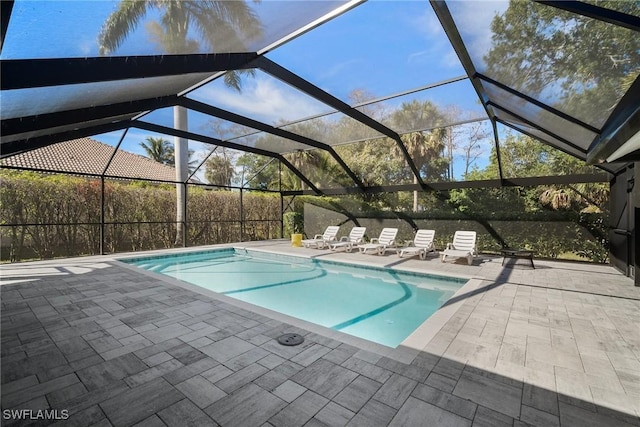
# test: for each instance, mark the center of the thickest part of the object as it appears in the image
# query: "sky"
(378, 47)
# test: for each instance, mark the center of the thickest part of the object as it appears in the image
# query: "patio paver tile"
(486, 417)
(367, 369)
(28, 393)
(356, 394)
(289, 391)
(395, 391)
(299, 411)
(490, 393)
(185, 413)
(138, 403)
(241, 378)
(463, 407)
(188, 371)
(58, 398)
(88, 416)
(247, 406)
(571, 415)
(416, 412)
(374, 413)
(325, 378)
(152, 421)
(227, 348)
(200, 391)
(99, 375)
(153, 372)
(334, 415)
(536, 417)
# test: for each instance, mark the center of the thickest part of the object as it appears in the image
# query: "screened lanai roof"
(324, 75)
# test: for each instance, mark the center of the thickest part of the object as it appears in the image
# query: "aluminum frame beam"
(28, 73)
(214, 141)
(538, 103)
(487, 183)
(446, 20)
(609, 16)
(20, 146)
(310, 89)
(541, 129)
(245, 121)
(623, 123)
(44, 121)
(563, 149)
(5, 15)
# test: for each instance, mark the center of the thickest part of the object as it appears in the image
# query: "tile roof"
(86, 155)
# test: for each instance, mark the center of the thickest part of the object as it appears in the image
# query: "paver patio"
(112, 345)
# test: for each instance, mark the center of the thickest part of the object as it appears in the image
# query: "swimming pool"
(377, 304)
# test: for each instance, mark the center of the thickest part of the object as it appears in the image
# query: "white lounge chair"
(379, 245)
(421, 244)
(320, 240)
(356, 236)
(463, 246)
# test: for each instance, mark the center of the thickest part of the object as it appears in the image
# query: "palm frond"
(120, 24)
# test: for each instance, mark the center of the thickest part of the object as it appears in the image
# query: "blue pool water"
(377, 304)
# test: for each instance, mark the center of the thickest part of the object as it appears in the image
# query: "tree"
(158, 149)
(473, 134)
(219, 169)
(223, 26)
(307, 162)
(162, 151)
(259, 171)
(586, 64)
(426, 148)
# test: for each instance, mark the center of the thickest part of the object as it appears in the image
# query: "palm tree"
(425, 147)
(162, 151)
(224, 26)
(584, 197)
(307, 162)
(219, 171)
(158, 149)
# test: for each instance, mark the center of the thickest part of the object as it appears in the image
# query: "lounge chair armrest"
(359, 240)
(408, 243)
(318, 236)
(449, 245)
(344, 239)
(374, 240)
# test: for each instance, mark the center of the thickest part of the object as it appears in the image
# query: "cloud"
(262, 98)
(421, 56)
(427, 26)
(339, 69)
(473, 20)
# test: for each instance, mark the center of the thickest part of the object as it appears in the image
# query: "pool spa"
(378, 304)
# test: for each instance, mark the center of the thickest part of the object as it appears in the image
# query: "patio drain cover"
(290, 339)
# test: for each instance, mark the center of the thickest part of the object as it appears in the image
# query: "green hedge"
(46, 216)
(57, 216)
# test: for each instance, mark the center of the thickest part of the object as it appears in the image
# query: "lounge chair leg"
(470, 259)
(443, 257)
